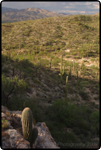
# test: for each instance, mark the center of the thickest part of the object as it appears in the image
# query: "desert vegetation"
(51, 65)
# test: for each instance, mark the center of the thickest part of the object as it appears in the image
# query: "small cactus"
(27, 119)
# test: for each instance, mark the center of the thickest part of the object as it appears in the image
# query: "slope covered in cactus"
(29, 52)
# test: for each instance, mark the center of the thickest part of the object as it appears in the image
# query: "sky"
(68, 7)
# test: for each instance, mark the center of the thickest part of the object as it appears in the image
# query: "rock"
(3, 115)
(14, 139)
(12, 136)
(44, 139)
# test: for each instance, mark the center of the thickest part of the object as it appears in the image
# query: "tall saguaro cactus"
(70, 73)
(29, 133)
(62, 68)
(27, 119)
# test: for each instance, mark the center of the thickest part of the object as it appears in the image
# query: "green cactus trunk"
(27, 119)
(70, 73)
(62, 69)
(34, 136)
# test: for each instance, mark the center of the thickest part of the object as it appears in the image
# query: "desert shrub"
(8, 82)
(81, 119)
(4, 124)
(94, 121)
(61, 138)
(70, 114)
(83, 18)
(64, 112)
(12, 85)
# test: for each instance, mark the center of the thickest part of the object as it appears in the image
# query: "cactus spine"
(29, 133)
(27, 119)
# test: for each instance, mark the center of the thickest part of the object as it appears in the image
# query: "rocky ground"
(12, 136)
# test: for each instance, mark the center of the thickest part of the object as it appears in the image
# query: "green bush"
(81, 119)
(8, 82)
(12, 85)
(94, 121)
(63, 139)
(71, 115)
(64, 112)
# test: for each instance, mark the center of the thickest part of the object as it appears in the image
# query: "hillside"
(14, 15)
(37, 56)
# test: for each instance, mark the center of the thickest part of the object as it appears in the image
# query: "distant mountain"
(7, 9)
(63, 14)
(14, 15)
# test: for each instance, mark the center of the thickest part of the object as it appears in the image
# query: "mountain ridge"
(15, 15)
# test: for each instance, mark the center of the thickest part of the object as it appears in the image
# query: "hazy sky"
(79, 7)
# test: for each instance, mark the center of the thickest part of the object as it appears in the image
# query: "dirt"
(86, 61)
(92, 96)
